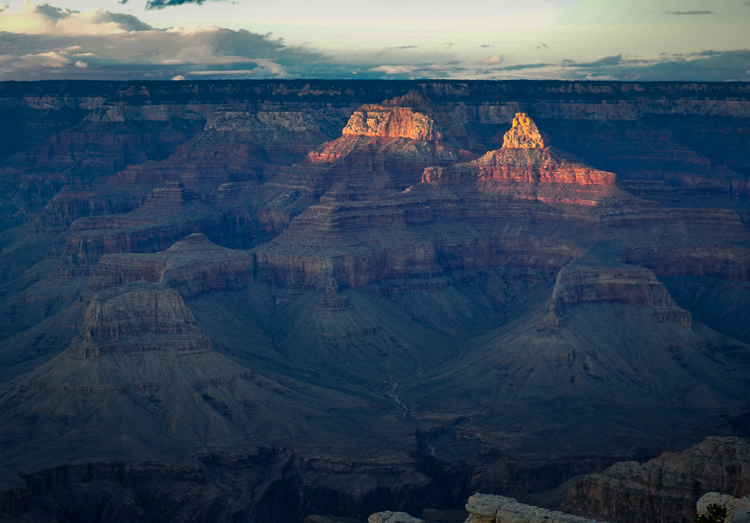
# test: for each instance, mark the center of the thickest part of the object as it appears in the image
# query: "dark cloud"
(522, 67)
(485, 46)
(159, 54)
(705, 66)
(161, 4)
(403, 47)
(690, 12)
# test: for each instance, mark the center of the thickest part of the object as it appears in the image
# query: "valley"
(261, 300)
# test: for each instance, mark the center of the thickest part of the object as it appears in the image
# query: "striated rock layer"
(192, 266)
(665, 489)
(524, 168)
(486, 508)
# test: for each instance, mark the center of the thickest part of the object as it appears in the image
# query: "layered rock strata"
(581, 283)
(524, 168)
(665, 489)
(192, 266)
(523, 134)
(138, 321)
(486, 508)
(382, 148)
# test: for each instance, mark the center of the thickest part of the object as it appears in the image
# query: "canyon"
(262, 300)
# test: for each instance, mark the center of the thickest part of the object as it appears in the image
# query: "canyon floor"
(255, 301)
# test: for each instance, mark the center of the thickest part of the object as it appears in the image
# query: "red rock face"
(523, 134)
(392, 122)
(525, 169)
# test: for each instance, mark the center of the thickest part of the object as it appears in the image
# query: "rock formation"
(523, 134)
(486, 508)
(524, 168)
(581, 283)
(192, 266)
(738, 510)
(665, 489)
(138, 321)
(393, 517)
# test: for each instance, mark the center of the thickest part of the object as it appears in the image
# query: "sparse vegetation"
(714, 514)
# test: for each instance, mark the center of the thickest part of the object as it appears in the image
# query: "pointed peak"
(523, 134)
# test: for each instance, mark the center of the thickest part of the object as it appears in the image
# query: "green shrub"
(714, 514)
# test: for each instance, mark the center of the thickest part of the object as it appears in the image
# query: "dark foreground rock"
(665, 489)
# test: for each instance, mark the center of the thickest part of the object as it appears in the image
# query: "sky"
(690, 40)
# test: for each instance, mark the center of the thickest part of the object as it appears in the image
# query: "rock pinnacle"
(523, 135)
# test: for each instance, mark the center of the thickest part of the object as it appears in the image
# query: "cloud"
(690, 12)
(44, 19)
(161, 4)
(40, 41)
(705, 66)
(418, 70)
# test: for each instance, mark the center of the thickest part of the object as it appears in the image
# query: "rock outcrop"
(138, 321)
(192, 266)
(392, 122)
(525, 169)
(411, 116)
(588, 283)
(392, 517)
(486, 508)
(382, 149)
(738, 510)
(665, 489)
(523, 134)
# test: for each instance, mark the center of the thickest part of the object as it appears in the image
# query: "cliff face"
(665, 489)
(138, 321)
(525, 168)
(192, 266)
(523, 134)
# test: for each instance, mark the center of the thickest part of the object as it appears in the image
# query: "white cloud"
(33, 18)
(121, 46)
(493, 60)
(40, 41)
